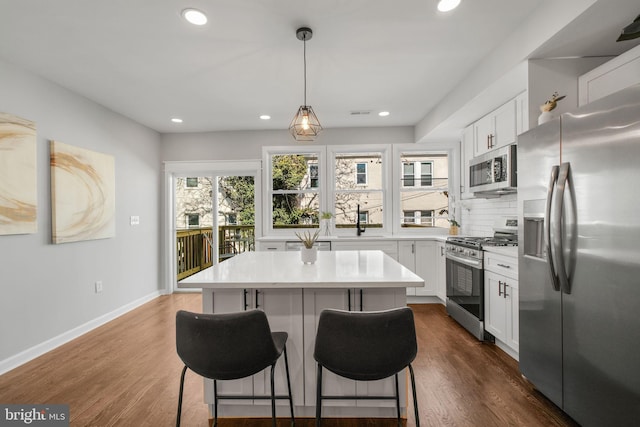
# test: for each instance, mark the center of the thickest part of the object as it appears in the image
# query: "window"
(313, 175)
(193, 220)
(232, 218)
(363, 190)
(294, 188)
(408, 175)
(426, 174)
(192, 182)
(426, 218)
(361, 173)
(424, 189)
(408, 217)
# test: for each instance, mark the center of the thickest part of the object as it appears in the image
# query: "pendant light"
(305, 126)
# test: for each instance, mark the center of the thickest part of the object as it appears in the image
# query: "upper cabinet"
(619, 73)
(496, 129)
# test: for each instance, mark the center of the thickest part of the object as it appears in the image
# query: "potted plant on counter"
(325, 222)
(308, 252)
(454, 227)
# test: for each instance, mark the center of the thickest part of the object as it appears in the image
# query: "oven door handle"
(470, 262)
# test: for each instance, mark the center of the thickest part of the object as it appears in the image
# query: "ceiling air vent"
(360, 113)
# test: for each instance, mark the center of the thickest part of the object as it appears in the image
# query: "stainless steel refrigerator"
(579, 260)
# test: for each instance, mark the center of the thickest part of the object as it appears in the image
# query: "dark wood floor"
(126, 373)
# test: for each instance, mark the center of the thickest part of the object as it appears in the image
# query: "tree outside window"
(295, 190)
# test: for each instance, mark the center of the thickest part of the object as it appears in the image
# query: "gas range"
(505, 234)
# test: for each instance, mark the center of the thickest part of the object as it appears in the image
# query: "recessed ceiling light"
(447, 5)
(383, 113)
(265, 117)
(176, 120)
(194, 16)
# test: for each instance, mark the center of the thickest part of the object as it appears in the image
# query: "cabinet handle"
(413, 248)
(257, 303)
(244, 296)
(491, 141)
(503, 265)
(488, 143)
(499, 288)
(504, 294)
(349, 299)
(361, 302)
(441, 250)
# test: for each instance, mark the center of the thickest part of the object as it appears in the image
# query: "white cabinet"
(441, 267)
(389, 247)
(619, 73)
(501, 300)
(419, 256)
(271, 245)
(522, 112)
(496, 129)
(316, 300)
(283, 308)
(466, 154)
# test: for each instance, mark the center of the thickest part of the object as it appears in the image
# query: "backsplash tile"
(478, 215)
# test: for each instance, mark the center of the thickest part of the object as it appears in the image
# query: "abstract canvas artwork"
(18, 175)
(82, 194)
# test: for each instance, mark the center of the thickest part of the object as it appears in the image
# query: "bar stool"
(366, 346)
(227, 347)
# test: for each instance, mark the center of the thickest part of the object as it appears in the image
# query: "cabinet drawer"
(271, 246)
(501, 264)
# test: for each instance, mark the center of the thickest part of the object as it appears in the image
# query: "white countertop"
(282, 269)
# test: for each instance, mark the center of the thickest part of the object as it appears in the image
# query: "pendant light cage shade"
(631, 31)
(305, 126)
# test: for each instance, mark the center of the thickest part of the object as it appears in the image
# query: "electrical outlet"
(134, 220)
(98, 286)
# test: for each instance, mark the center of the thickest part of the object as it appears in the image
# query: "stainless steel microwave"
(494, 172)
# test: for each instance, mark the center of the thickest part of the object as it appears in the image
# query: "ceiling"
(142, 60)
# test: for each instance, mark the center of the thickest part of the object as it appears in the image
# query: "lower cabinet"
(283, 308)
(297, 312)
(421, 257)
(316, 300)
(441, 271)
(501, 300)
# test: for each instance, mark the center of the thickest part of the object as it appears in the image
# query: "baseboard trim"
(38, 350)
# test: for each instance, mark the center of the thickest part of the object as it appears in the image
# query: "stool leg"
(273, 398)
(184, 371)
(415, 396)
(286, 365)
(215, 403)
(319, 396)
(398, 401)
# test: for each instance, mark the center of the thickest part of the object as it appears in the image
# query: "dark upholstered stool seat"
(228, 347)
(366, 346)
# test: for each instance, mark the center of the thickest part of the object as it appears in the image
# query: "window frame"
(452, 150)
(267, 155)
(385, 151)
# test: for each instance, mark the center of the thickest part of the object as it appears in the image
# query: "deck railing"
(194, 252)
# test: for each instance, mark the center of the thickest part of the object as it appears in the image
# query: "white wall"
(247, 145)
(47, 291)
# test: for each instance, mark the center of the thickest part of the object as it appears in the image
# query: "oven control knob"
(472, 253)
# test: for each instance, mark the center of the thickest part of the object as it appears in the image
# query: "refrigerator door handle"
(558, 229)
(547, 228)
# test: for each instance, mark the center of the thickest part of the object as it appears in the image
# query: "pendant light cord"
(304, 56)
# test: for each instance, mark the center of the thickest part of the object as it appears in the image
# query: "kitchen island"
(293, 294)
